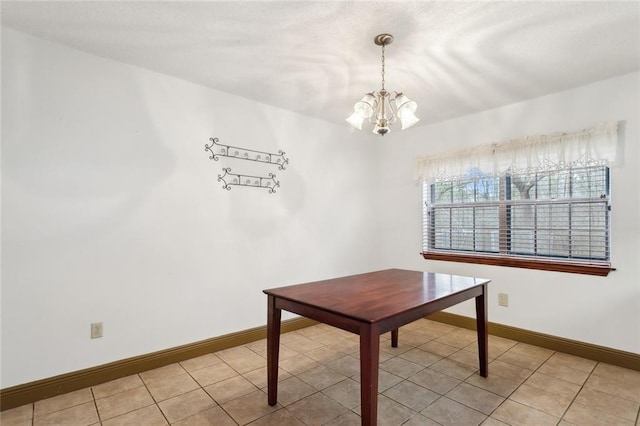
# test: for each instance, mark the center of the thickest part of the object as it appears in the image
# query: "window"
(538, 202)
(555, 219)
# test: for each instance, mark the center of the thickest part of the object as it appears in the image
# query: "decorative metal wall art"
(245, 154)
(239, 179)
(229, 179)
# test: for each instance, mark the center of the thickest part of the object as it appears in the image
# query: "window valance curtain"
(594, 146)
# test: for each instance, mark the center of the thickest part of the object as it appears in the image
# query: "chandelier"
(383, 108)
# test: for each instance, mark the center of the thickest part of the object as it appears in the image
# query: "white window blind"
(561, 215)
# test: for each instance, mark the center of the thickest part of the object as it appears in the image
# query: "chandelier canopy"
(383, 108)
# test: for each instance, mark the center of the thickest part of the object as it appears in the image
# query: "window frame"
(502, 257)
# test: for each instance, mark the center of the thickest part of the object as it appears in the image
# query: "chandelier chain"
(383, 67)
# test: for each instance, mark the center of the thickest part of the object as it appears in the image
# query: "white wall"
(111, 210)
(602, 311)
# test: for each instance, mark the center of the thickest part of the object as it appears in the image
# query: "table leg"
(394, 338)
(483, 334)
(273, 348)
(369, 359)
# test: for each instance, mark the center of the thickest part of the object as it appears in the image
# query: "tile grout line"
(471, 384)
(579, 390)
(95, 404)
(154, 398)
(200, 386)
(518, 387)
(241, 375)
(583, 386)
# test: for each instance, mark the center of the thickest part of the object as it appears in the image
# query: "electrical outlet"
(503, 299)
(96, 330)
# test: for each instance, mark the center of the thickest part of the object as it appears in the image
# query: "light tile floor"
(430, 379)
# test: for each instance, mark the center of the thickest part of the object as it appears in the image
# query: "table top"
(375, 296)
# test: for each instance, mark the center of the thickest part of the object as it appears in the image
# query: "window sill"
(601, 270)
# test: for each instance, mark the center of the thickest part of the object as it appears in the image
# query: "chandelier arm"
(393, 107)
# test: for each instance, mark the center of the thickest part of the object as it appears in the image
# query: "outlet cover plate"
(503, 299)
(96, 330)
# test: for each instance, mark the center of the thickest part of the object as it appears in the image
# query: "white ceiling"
(318, 57)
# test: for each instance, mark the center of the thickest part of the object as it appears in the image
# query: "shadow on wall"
(80, 152)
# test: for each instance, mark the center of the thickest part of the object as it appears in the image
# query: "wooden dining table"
(369, 305)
